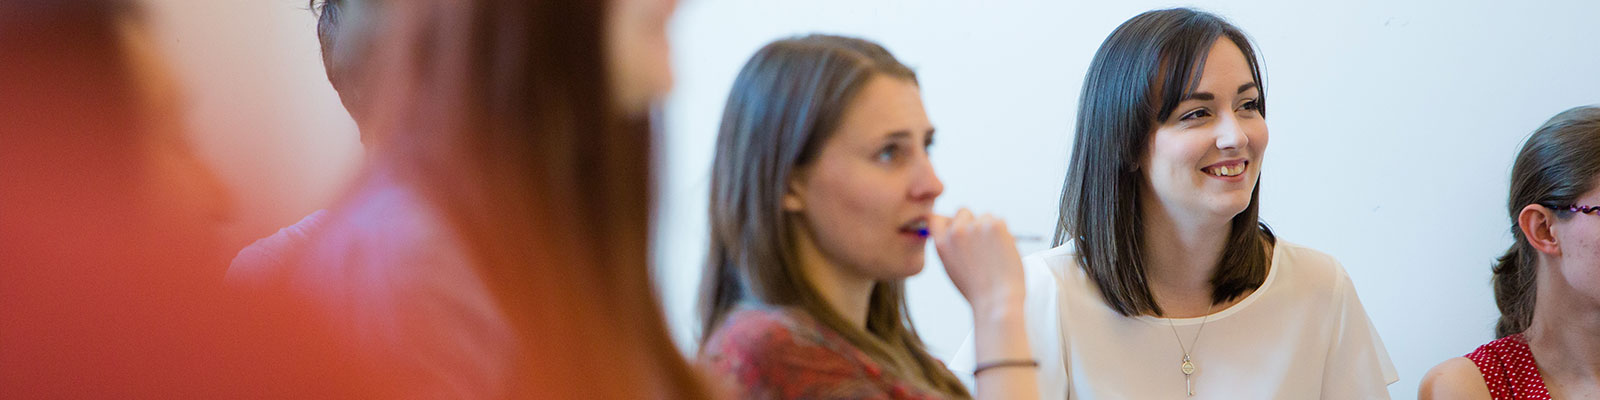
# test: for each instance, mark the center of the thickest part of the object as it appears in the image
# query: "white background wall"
(1393, 129)
(259, 106)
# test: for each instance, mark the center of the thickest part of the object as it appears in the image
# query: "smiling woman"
(1165, 283)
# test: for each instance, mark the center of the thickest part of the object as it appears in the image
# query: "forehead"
(1225, 65)
(884, 105)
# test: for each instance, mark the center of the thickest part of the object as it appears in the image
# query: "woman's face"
(1203, 161)
(1579, 236)
(638, 52)
(870, 185)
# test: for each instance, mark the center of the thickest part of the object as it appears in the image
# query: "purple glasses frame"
(1578, 209)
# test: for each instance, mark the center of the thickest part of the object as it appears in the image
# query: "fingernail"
(923, 232)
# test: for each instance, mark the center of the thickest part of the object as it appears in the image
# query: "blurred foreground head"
(525, 123)
(107, 220)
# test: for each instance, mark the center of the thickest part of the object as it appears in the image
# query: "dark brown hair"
(342, 54)
(1137, 78)
(1557, 165)
(501, 112)
(785, 103)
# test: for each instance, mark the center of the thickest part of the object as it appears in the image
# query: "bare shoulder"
(1456, 378)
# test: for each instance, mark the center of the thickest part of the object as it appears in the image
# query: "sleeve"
(1042, 311)
(256, 264)
(397, 306)
(764, 359)
(1358, 365)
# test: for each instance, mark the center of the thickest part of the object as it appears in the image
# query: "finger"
(962, 220)
(998, 226)
(938, 225)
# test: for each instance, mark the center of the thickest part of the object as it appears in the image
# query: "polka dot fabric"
(1508, 368)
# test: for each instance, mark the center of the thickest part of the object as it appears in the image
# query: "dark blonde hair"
(1557, 164)
(785, 103)
(501, 112)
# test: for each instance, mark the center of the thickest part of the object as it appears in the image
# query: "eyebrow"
(1207, 96)
(896, 135)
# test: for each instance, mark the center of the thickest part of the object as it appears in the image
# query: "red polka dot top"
(1508, 368)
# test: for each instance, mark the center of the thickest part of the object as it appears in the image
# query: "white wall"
(259, 107)
(1393, 129)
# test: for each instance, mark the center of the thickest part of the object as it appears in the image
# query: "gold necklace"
(1188, 367)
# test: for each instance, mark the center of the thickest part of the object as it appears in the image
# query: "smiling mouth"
(1227, 170)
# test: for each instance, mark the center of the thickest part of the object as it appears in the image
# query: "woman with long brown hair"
(496, 245)
(1547, 284)
(821, 207)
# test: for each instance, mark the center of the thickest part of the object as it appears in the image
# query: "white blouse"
(1302, 335)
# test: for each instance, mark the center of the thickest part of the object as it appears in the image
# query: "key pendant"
(1188, 372)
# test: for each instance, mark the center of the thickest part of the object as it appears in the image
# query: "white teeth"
(919, 225)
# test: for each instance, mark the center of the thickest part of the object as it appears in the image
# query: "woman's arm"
(981, 258)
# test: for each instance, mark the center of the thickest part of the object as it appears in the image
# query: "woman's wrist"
(1007, 304)
(997, 314)
(1000, 333)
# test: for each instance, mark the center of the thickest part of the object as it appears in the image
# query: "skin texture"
(868, 181)
(1187, 211)
(641, 69)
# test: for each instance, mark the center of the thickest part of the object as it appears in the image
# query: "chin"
(905, 269)
(1231, 207)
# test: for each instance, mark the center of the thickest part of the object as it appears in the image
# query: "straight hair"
(501, 112)
(785, 103)
(1136, 79)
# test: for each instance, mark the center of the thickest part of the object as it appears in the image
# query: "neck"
(1181, 256)
(1562, 334)
(848, 294)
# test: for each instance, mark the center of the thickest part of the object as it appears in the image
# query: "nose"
(1230, 134)
(925, 184)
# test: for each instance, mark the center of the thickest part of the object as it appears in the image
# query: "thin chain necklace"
(1188, 367)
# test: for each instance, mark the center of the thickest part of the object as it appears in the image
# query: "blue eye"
(887, 153)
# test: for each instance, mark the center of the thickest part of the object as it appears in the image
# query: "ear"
(1537, 225)
(794, 196)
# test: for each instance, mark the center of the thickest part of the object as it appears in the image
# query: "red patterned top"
(1508, 368)
(778, 353)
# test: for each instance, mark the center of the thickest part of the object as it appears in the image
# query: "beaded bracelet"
(1030, 363)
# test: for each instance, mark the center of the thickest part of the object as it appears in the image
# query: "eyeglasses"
(1578, 209)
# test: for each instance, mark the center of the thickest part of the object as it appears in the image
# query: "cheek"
(1175, 157)
(1259, 137)
(1588, 246)
(640, 46)
(653, 43)
(845, 200)
(1581, 249)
